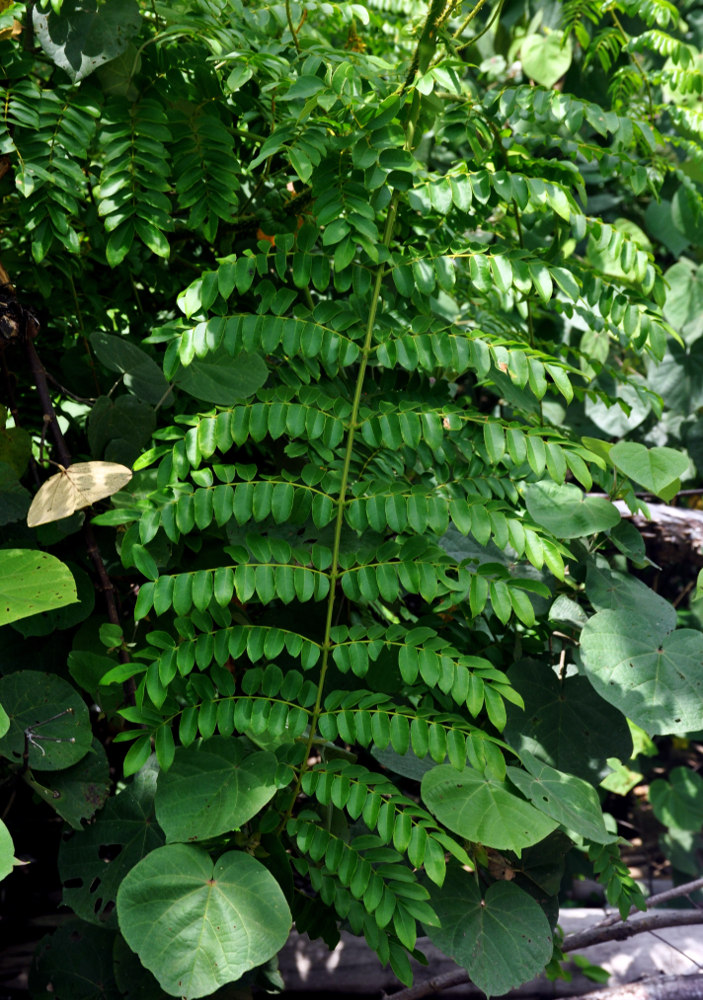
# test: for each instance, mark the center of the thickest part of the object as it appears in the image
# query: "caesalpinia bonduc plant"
(365, 536)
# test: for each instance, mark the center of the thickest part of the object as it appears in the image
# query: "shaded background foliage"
(384, 304)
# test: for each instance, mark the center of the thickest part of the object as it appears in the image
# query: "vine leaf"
(31, 582)
(653, 675)
(84, 36)
(51, 713)
(212, 790)
(75, 961)
(570, 801)
(502, 940)
(196, 925)
(78, 486)
(657, 469)
(545, 58)
(94, 860)
(565, 722)
(7, 851)
(142, 376)
(483, 810)
(78, 792)
(567, 512)
(679, 801)
(223, 379)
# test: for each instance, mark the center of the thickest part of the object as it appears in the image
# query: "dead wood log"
(656, 988)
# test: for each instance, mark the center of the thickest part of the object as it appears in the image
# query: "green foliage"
(368, 296)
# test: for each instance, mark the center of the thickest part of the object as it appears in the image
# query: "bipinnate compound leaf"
(94, 860)
(678, 802)
(7, 851)
(483, 809)
(86, 34)
(197, 924)
(653, 675)
(570, 801)
(503, 939)
(48, 718)
(214, 789)
(77, 792)
(657, 469)
(565, 722)
(222, 379)
(31, 582)
(567, 512)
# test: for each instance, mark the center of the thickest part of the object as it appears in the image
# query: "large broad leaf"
(546, 58)
(75, 961)
(570, 801)
(197, 925)
(678, 377)
(657, 469)
(220, 378)
(86, 34)
(678, 802)
(120, 429)
(31, 582)
(483, 810)
(567, 512)
(142, 376)
(609, 590)
(48, 622)
(7, 851)
(93, 861)
(654, 676)
(48, 719)
(14, 498)
(214, 789)
(565, 722)
(684, 299)
(4, 721)
(78, 792)
(503, 939)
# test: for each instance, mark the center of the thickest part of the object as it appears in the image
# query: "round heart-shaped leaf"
(31, 582)
(214, 789)
(196, 925)
(570, 801)
(7, 851)
(567, 512)
(654, 676)
(482, 809)
(546, 58)
(221, 378)
(94, 860)
(48, 718)
(503, 940)
(657, 469)
(679, 801)
(565, 722)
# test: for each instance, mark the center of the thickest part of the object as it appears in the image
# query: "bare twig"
(622, 930)
(42, 386)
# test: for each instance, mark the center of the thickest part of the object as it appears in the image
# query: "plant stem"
(348, 455)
